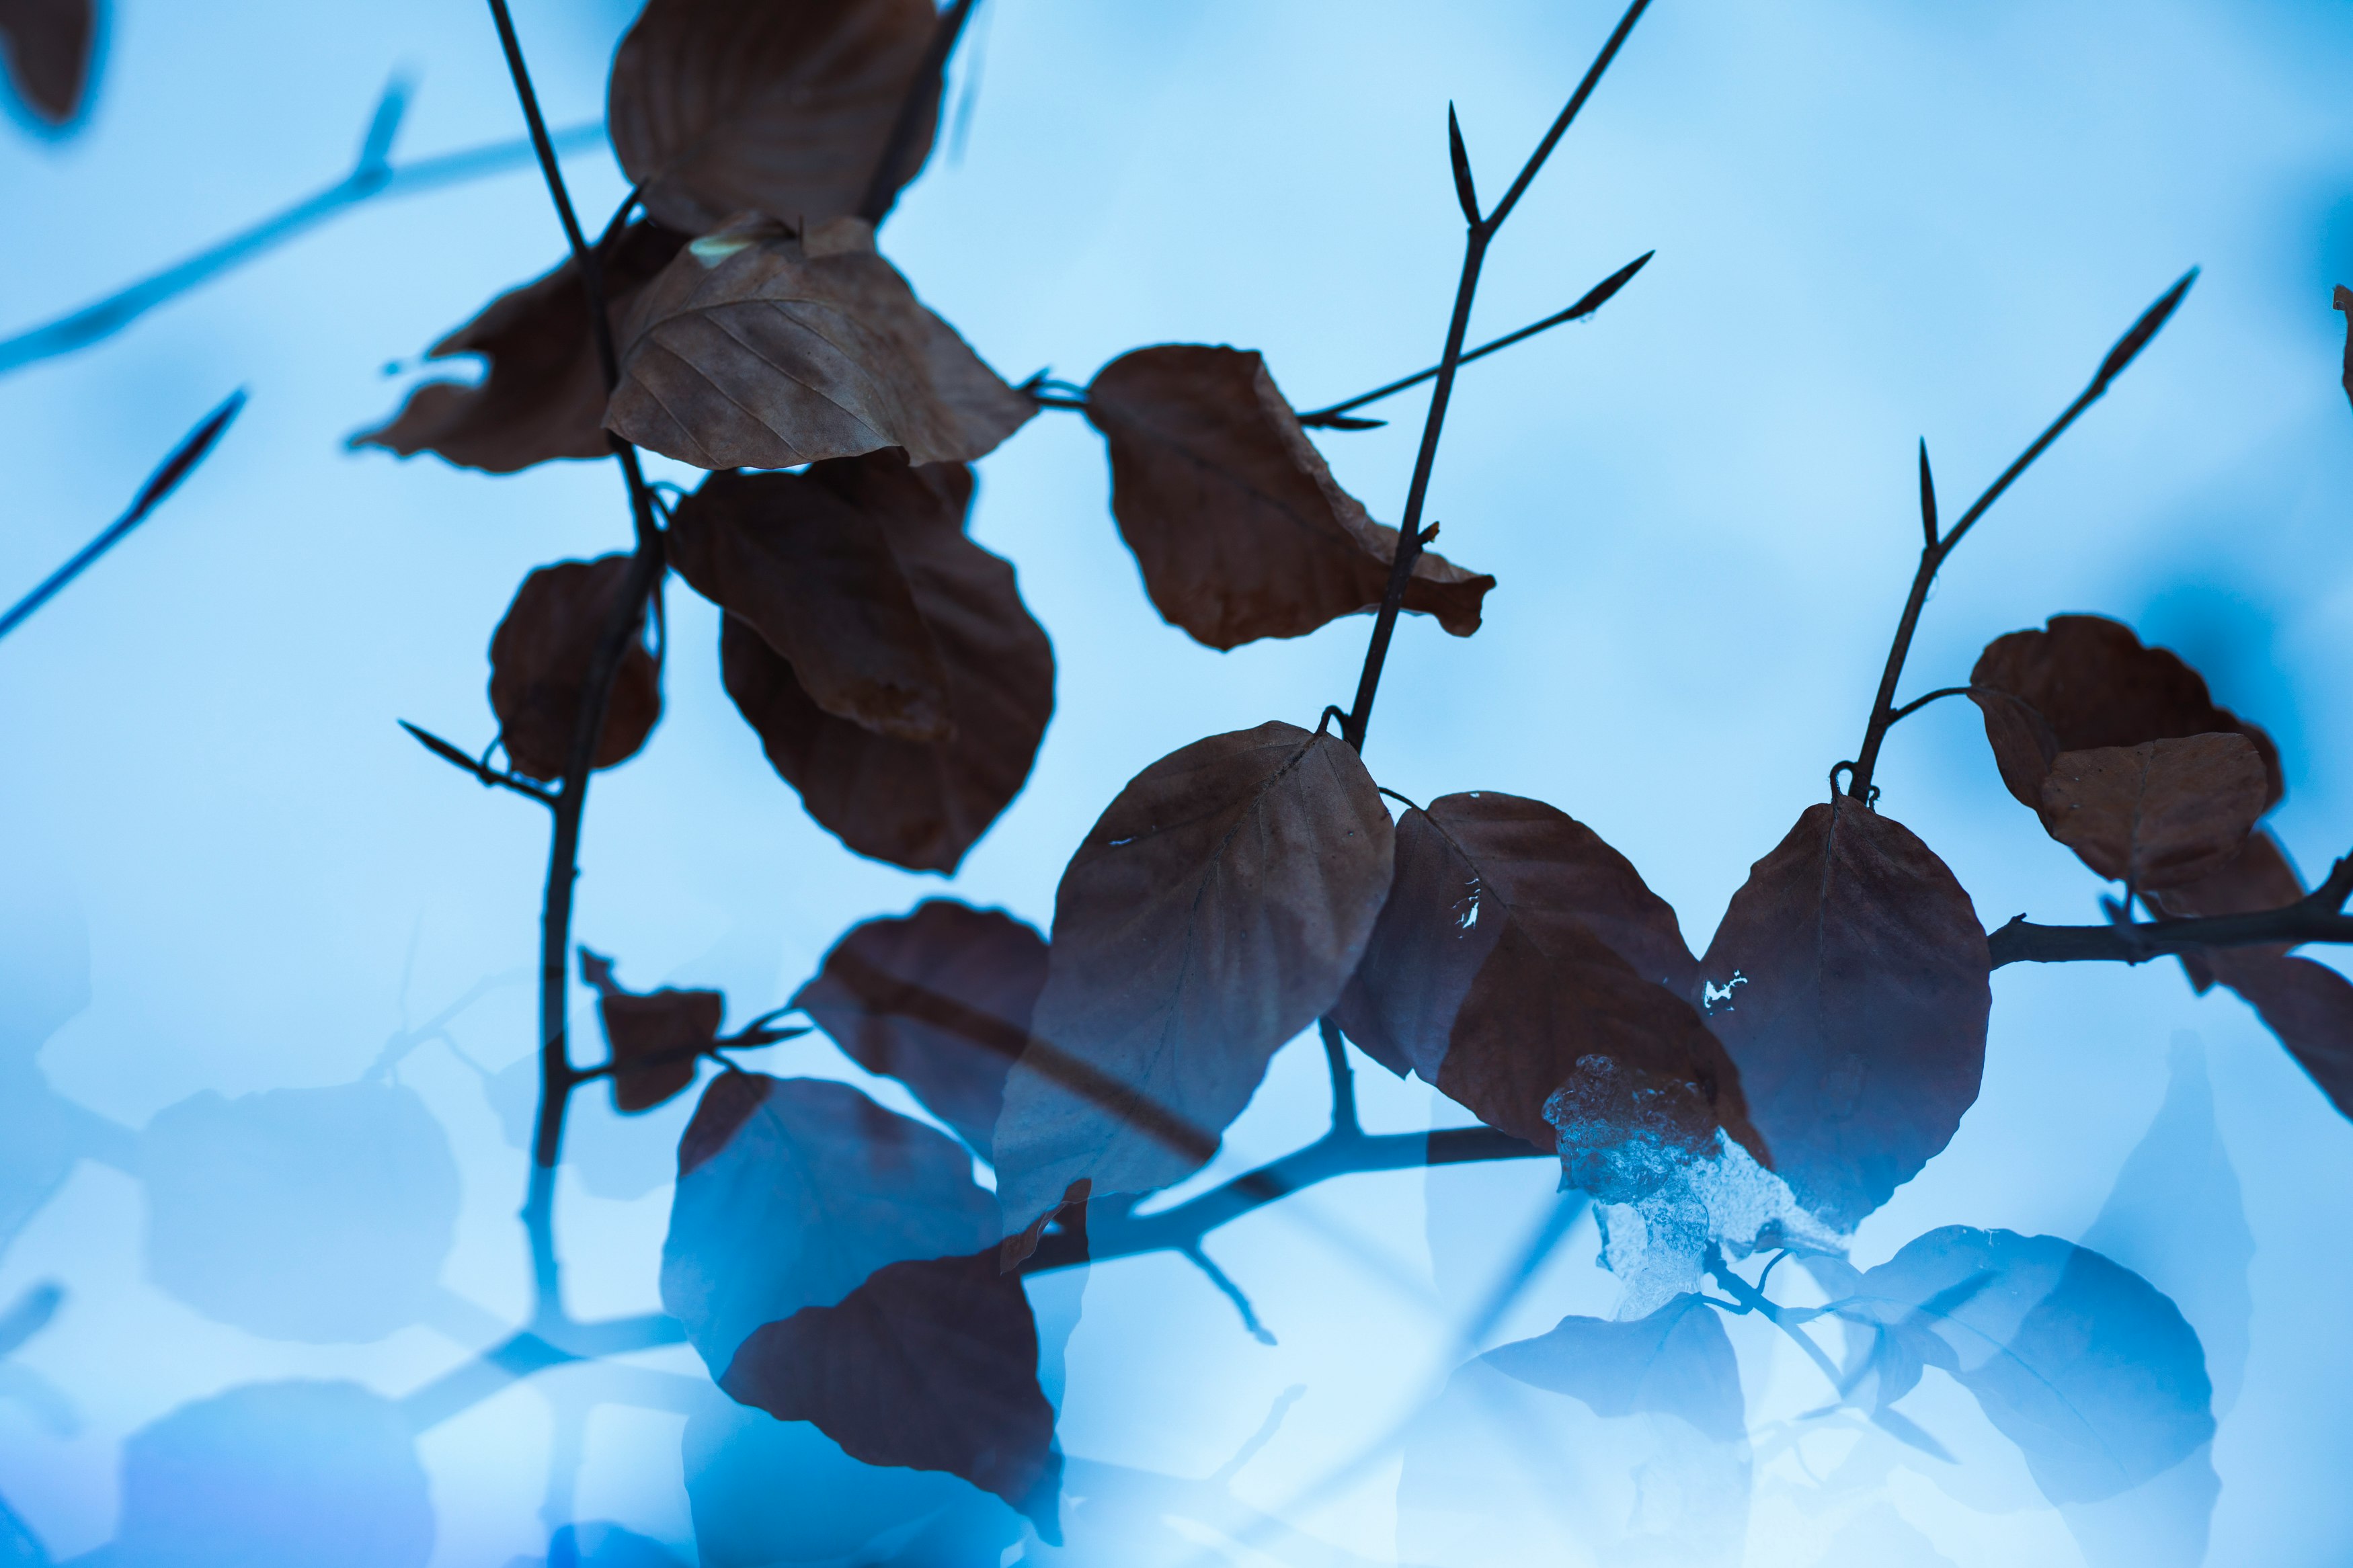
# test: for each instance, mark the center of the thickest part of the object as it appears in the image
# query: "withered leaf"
(759, 349)
(2309, 1005)
(914, 804)
(716, 106)
(2158, 814)
(1237, 522)
(539, 664)
(940, 1000)
(48, 44)
(1850, 976)
(541, 395)
(792, 1191)
(1214, 910)
(931, 1363)
(661, 1032)
(1522, 966)
(806, 561)
(2085, 682)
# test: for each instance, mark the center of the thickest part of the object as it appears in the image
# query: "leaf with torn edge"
(48, 44)
(1233, 516)
(939, 999)
(661, 1032)
(803, 559)
(716, 106)
(1522, 966)
(792, 1191)
(541, 395)
(2158, 814)
(538, 666)
(2085, 682)
(1849, 980)
(2084, 1364)
(1215, 910)
(760, 349)
(931, 1363)
(920, 805)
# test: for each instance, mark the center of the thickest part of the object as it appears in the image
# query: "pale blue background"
(1874, 221)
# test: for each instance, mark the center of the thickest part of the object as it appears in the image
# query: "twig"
(883, 185)
(1233, 1292)
(183, 458)
(2317, 917)
(1343, 1081)
(1480, 232)
(1752, 1298)
(371, 177)
(1934, 552)
(489, 775)
(1336, 417)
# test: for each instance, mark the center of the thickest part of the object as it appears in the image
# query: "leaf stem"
(1343, 1081)
(1477, 236)
(1933, 552)
(489, 775)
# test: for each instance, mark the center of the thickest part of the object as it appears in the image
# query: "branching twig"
(1933, 552)
(2317, 917)
(490, 776)
(1343, 1081)
(1481, 233)
(183, 458)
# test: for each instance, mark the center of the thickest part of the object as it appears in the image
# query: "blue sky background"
(1873, 222)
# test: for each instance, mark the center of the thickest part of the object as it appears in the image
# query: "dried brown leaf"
(806, 561)
(48, 44)
(917, 804)
(539, 662)
(931, 1363)
(756, 349)
(792, 1191)
(2159, 815)
(716, 106)
(1215, 910)
(1237, 522)
(541, 395)
(2086, 682)
(2257, 876)
(940, 1000)
(1850, 981)
(1519, 958)
(661, 1032)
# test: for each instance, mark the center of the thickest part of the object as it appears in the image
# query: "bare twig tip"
(1464, 192)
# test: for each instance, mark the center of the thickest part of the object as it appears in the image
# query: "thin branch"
(1233, 1292)
(922, 92)
(1477, 236)
(490, 776)
(1335, 418)
(1933, 555)
(2317, 917)
(161, 483)
(1752, 1298)
(368, 181)
(556, 1075)
(1344, 1080)
(1178, 1228)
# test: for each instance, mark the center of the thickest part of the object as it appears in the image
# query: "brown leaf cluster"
(716, 106)
(842, 701)
(1522, 965)
(1858, 992)
(541, 395)
(763, 348)
(940, 1000)
(47, 46)
(1216, 908)
(539, 665)
(1239, 529)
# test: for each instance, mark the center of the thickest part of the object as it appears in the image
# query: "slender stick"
(1934, 553)
(1479, 234)
(161, 483)
(1344, 1080)
(2317, 917)
(1595, 298)
(922, 92)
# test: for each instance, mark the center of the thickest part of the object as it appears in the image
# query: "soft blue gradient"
(1874, 221)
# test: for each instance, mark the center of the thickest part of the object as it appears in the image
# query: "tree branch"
(489, 775)
(2317, 917)
(1479, 233)
(1935, 551)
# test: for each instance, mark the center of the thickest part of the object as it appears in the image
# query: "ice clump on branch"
(1666, 1183)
